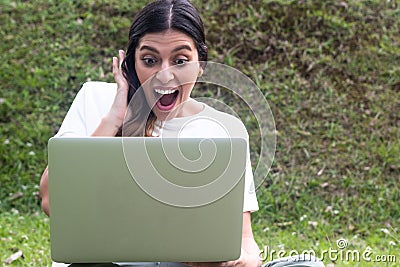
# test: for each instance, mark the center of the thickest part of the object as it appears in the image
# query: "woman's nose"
(165, 74)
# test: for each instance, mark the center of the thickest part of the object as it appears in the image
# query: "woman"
(156, 76)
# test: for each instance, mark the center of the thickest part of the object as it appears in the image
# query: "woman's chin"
(164, 114)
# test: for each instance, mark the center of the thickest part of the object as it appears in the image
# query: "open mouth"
(166, 98)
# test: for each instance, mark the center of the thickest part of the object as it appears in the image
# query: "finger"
(209, 264)
(121, 57)
(228, 263)
(115, 66)
(116, 71)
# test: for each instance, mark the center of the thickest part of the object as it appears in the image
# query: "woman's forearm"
(44, 192)
(249, 245)
(107, 127)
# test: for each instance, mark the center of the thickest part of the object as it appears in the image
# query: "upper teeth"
(164, 92)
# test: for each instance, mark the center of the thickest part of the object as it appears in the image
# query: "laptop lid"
(138, 199)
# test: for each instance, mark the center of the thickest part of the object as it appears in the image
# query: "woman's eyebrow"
(182, 47)
(146, 47)
(176, 49)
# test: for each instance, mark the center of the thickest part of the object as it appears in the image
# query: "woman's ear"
(202, 66)
(200, 71)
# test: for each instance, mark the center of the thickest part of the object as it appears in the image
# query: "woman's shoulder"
(97, 91)
(231, 123)
(98, 87)
(224, 115)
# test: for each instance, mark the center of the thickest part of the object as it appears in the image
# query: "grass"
(330, 71)
(28, 234)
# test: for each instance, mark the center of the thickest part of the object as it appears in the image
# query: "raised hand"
(118, 109)
(114, 119)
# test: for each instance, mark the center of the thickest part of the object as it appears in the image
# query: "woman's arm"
(44, 193)
(111, 123)
(250, 252)
(250, 256)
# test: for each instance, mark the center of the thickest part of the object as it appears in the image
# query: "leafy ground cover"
(330, 71)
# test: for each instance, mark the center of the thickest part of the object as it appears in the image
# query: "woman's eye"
(181, 61)
(149, 61)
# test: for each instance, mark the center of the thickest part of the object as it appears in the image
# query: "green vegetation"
(330, 71)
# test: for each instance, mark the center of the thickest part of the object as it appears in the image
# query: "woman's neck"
(188, 108)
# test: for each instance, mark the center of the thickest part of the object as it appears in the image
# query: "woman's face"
(167, 67)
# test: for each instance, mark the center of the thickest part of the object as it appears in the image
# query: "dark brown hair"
(156, 17)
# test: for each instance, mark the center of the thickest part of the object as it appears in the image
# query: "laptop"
(145, 199)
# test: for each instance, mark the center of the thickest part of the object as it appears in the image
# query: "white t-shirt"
(94, 101)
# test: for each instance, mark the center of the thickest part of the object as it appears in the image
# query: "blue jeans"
(295, 261)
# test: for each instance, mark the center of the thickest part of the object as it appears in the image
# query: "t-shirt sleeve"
(250, 202)
(90, 105)
(236, 128)
(74, 122)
